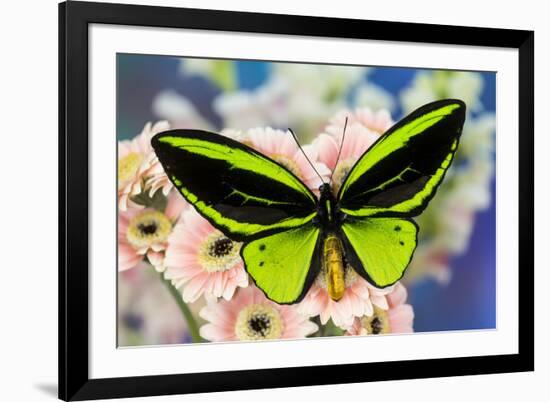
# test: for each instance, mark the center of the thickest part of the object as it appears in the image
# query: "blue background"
(467, 302)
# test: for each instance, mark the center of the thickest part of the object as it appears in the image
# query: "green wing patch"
(400, 173)
(380, 249)
(283, 265)
(240, 191)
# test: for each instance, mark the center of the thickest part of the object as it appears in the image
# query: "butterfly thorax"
(329, 217)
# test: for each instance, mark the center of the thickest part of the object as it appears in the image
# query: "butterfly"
(289, 234)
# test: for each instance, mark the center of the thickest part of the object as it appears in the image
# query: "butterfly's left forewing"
(241, 192)
(393, 182)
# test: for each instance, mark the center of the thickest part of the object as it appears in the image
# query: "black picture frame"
(74, 20)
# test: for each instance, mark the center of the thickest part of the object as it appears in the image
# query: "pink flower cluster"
(202, 263)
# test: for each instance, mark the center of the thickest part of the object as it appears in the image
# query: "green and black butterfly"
(289, 234)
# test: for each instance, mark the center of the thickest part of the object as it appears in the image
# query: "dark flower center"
(259, 323)
(376, 325)
(148, 228)
(221, 247)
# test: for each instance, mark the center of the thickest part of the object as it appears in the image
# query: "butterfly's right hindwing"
(380, 249)
(241, 192)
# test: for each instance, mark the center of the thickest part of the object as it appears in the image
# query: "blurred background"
(451, 280)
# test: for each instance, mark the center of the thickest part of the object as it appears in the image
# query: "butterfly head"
(325, 190)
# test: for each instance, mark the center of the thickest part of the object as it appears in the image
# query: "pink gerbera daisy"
(250, 316)
(135, 159)
(144, 232)
(280, 146)
(359, 299)
(363, 129)
(397, 318)
(200, 259)
(157, 178)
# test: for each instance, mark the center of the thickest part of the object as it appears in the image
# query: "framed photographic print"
(257, 200)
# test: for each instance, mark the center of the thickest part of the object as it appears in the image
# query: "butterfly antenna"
(301, 149)
(340, 150)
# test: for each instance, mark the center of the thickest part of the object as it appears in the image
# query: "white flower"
(478, 136)
(223, 73)
(430, 86)
(265, 106)
(191, 66)
(317, 91)
(374, 97)
(177, 109)
(328, 82)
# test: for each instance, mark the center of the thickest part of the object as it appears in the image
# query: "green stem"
(191, 323)
(320, 331)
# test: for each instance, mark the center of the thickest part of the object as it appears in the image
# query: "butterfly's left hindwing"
(241, 192)
(285, 264)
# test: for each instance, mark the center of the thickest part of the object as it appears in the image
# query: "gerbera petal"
(213, 333)
(398, 296)
(327, 149)
(401, 318)
(380, 301)
(192, 291)
(175, 206)
(228, 291)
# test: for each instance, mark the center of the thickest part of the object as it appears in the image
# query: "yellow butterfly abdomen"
(333, 262)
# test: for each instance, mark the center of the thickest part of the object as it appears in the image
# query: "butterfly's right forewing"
(400, 173)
